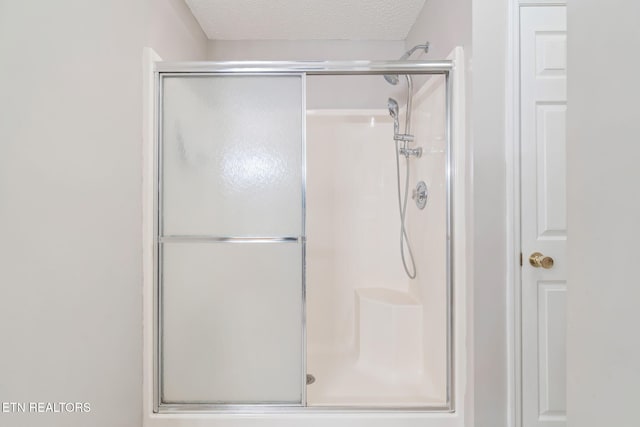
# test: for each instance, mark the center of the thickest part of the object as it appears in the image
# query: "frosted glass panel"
(232, 323)
(232, 155)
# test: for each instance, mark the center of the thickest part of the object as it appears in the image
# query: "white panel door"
(543, 197)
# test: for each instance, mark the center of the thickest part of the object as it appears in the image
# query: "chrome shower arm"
(408, 53)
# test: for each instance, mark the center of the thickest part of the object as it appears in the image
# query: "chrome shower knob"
(420, 195)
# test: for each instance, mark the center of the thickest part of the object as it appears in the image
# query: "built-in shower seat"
(389, 332)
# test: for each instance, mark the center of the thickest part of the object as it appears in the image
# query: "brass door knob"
(536, 259)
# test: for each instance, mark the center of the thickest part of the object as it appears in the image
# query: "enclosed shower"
(304, 236)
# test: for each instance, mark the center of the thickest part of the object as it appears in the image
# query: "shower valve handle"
(420, 195)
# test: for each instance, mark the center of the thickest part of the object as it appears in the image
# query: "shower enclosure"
(280, 221)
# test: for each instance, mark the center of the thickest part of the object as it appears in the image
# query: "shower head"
(394, 78)
(391, 78)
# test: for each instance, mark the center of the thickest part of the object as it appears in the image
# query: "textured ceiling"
(306, 19)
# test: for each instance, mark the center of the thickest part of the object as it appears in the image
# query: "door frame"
(513, 203)
(513, 247)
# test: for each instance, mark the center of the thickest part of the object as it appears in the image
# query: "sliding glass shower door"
(230, 240)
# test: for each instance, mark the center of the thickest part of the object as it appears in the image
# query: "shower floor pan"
(341, 381)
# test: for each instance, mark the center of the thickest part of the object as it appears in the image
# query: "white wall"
(445, 24)
(70, 216)
(174, 33)
(299, 50)
(603, 349)
(489, 185)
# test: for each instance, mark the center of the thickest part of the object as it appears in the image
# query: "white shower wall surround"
(376, 342)
(375, 337)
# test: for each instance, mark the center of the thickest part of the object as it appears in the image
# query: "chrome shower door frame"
(302, 69)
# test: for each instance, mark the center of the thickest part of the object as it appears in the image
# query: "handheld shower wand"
(394, 113)
(408, 264)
